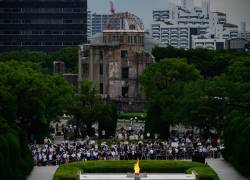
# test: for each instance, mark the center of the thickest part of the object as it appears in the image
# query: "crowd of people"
(135, 132)
(176, 147)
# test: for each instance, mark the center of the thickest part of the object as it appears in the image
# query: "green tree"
(238, 73)
(88, 108)
(34, 99)
(163, 84)
(38, 57)
(237, 141)
(69, 56)
(210, 63)
(15, 158)
(107, 119)
(205, 104)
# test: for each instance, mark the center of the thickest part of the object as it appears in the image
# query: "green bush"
(15, 158)
(70, 171)
(237, 141)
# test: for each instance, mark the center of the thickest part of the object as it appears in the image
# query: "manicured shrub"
(237, 141)
(129, 115)
(71, 170)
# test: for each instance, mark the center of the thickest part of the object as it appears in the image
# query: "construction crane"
(112, 8)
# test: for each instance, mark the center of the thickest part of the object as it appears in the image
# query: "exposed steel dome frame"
(131, 19)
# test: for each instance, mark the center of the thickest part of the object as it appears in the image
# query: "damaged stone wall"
(122, 64)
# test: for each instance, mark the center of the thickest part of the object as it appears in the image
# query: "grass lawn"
(71, 171)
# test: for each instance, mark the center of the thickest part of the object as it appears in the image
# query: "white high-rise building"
(244, 33)
(177, 25)
(188, 4)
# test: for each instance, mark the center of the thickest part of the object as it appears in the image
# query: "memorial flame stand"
(137, 170)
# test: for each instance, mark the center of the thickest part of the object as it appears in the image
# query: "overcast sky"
(236, 10)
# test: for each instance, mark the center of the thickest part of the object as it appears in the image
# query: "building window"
(68, 21)
(77, 10)
(124, 54)
(48, 43)
(56, 32)
(101, 55)
(67, 10)
(101, 88)
(125, 92)
(27, 21)
(125, 72)
(68, 32)
(36, 32)
(36, 43)
(47, 32)
(135, 39)
(121, 39)
(101, 69)
(27, 43)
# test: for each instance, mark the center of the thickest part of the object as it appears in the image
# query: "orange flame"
(137, 167)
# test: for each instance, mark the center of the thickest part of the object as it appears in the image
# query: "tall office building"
(46, 25)
(98, 22)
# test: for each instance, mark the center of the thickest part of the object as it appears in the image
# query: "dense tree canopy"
(67, 55)
(88, 108)
(163, 84)
(219, 99)
(237, 141)
(15, 157)
(30, 98)
(210, 63)
(204, 101)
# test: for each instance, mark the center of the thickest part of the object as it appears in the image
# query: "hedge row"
(70, 171)
(129, 115)
(15, 158)
(237, 141)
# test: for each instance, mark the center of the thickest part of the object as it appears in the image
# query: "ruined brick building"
(114, 60)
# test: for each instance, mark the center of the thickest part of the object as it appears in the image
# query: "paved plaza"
(224, 169)
(42, 173)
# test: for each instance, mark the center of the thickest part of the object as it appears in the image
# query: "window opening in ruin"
(101, 69)
(135, 39)
(125, 72)
(124, 54)
(101, 88)
(125, 92)
(101, 54)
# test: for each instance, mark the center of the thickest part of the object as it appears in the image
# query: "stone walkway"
(225, 170)
(43, 173)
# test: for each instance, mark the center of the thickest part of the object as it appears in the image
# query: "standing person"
(103, 134)
(45, 140)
